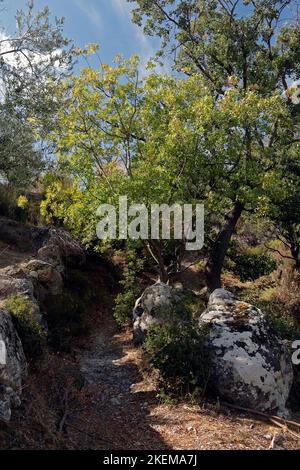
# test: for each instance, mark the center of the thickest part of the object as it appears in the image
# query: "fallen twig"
(277, 420)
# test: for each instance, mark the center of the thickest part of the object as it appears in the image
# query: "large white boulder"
(250, 365)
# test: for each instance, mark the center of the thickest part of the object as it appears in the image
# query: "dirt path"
(128, 415)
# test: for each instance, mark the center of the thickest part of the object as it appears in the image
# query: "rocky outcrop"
(250, 365)
(24, 237)
(12, 366)
(37, 279)
(53, 245)
(43, 275)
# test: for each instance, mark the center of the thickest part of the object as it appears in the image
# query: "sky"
(106, 22)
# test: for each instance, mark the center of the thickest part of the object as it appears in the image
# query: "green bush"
(176, 350)
(276, 311)
(282, 322)
(8, 203)
(131, 289)
(251, 266)
(31, 333)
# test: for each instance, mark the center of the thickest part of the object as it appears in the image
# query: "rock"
(24, 236)
(13, 366)
(63, 248)
(150, 308)
(50, 253)
(251, 366)
(155, 306)
(54, 245)
(46, 274)
(10, 286)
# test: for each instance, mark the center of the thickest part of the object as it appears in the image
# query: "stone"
(47, 275)
(13, 366)
(155, 306)
(24, 236)
(10, 286)
(150, 308)
(250, 365)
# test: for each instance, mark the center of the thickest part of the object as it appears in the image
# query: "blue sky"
(107, 22)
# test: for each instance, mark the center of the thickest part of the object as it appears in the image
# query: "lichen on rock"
(251, 366)
(13, 366)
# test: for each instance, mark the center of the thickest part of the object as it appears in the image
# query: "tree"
(16, 167)
(284, 210)
(234, 42)
(159, 140)
(33, 61)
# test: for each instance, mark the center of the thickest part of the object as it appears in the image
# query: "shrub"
(8, 203)
(276, 310)
(131, 289)
(176, 350)
(250, 266)
(22, 202)
(31, 333)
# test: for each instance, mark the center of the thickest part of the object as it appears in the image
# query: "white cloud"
(145, 45)
(122, 8)
(91, 13)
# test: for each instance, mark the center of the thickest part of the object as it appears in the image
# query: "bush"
(251, 266)
(131, 290)
(276, 310)
(176, 350)
(8, 203)
(31, 333)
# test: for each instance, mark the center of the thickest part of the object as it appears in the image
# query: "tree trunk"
(156, 252)
(295, 250)
(219, 249)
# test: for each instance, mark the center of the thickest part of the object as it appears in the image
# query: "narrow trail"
(128, 415)
(121, 402)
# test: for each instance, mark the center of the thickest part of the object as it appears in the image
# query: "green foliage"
(244, 41)
(250, 266)
(131, 289)
(32, 63)
(176, 349)
(276, 311)
(251, 47)
(31, 333)
(282, 323)
(22, 202)
(8, 205)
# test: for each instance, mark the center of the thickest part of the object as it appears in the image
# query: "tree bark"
(156, 253)
(219, 249)
(295, 250)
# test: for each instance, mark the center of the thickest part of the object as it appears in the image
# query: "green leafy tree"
(33, 61)
(235, 43)
(159, 140)
(284, 210)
